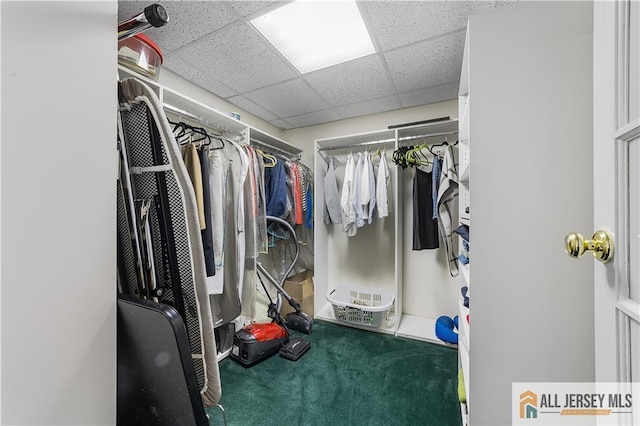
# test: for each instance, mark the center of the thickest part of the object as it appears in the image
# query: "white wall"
(185, 87)
(304, 137)
(531, 306)
(58, 213)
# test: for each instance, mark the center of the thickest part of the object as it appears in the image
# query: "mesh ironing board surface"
(158, 176)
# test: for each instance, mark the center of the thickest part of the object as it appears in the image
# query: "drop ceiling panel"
(399, 23)
(420, 44)
(429, 95)
(281, 124)
(239, 58)
(188, 21)
(352, 81)
(196, 76)
(288, 99)
(373, 106)
(252, 108)
(429, 63)
(246, 8)
(312, 118)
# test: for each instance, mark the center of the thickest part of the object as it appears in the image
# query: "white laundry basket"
(361, 305)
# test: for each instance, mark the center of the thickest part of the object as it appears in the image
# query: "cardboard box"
(300, 287)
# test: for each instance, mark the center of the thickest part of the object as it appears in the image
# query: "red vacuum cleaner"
(257, 342)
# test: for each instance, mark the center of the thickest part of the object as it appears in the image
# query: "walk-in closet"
(319, 212)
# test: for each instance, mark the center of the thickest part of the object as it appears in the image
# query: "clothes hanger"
(424, 161)
(272, 160)
(213, 148)
(176, 126)
(399, 156)
(185, 139)
(415, 156)
(200, 131)
(445, 143)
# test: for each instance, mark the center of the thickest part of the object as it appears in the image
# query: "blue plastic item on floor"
(445, 329)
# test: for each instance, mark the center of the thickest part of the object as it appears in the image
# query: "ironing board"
(159, 240)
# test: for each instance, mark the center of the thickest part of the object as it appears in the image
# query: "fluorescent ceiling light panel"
(314, 34)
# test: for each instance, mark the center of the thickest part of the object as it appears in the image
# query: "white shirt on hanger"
(365, 192)
(382, 187)
(346, 198)
(358, 191)
(372, 188)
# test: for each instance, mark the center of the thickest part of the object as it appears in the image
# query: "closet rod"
(353, 145)
(289, 155)
(381, 141)
(202, 120)
(428, 135)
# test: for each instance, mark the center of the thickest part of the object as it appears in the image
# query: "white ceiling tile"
(188, 21)
(288, 99)
(430, 63)
(312, 118)
(245, 8)
(373, 106)
(252, 108)
(281, 124)
(196, 76)
(352, 81)
(212, 44)
(239, 58)
(430, 95)
(398, 23)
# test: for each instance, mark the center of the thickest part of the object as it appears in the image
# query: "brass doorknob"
(601, 245)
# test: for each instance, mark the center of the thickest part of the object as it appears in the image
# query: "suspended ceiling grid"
(417, 62)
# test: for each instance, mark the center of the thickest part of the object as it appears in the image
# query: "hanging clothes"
(365, 189)
(207, 232)
(219, 177)
(192, 163)
(425, 229)
(332, 213)
(309, 196)
(437, 172)
(298, 193)
(346, 198)
(295, 192)
(250, 204)
(303, 192)
(447, 197)
(275, 187)
(357, 191)
(382, 187)
(251, 200)
(262, 238)
(240, 213)
(372, 189)
(227, 305)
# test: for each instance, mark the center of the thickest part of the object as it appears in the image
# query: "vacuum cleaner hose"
(297, 320)
(296, 256)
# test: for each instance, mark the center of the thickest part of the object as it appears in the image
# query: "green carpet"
(348, 377)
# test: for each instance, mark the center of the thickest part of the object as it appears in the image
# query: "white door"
(617, 188)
